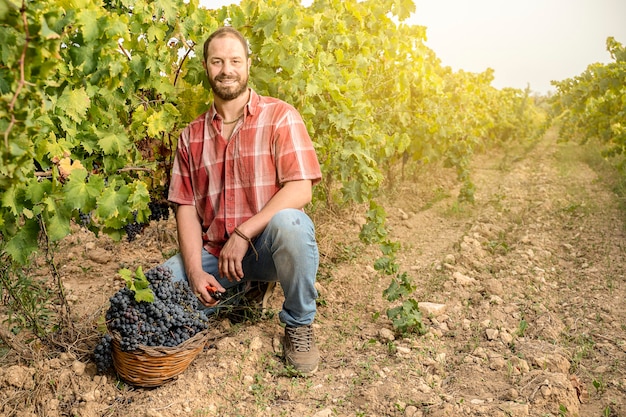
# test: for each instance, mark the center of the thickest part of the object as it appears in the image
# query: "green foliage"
(599, 385)
(374, 230)
(406, 318)
(89, 110)
(591, 105)
(138, 284)
(521, 328)
(94, 96)
(401, 287)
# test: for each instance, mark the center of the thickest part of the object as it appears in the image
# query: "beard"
(231, 92)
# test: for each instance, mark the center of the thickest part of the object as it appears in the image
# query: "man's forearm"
(189, 238)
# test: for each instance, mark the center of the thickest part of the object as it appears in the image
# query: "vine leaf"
(138, 284)
(162, 121)
(407, 317)
(8, 200)
(89, 20)
(57, 220)
(46, 32)
(78, 190)
(168, 8)
(74, 103)
(24, 242)
(112, 205)
(403, 8)
(113, 143)
(66, 166)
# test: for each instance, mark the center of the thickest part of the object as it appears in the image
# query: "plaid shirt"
(229, 181)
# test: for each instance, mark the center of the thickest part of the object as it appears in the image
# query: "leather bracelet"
(247, 239)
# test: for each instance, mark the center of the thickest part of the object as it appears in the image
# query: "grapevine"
(590, 106)
(94, 98)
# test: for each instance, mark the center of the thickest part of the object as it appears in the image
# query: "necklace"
(232, 121)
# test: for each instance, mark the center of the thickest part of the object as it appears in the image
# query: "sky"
(527, 43)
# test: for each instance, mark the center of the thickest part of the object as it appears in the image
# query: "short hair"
(223, 32)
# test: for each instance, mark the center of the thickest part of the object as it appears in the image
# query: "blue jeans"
(287, 254)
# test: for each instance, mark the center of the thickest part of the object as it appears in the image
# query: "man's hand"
(229, 263)
(199, 282)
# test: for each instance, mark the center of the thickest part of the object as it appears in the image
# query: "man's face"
(227, 68)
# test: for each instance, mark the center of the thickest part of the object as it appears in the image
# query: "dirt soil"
(523, 297)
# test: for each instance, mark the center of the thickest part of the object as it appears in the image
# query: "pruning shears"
(214, 293)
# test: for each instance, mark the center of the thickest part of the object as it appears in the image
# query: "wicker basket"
(152, 366)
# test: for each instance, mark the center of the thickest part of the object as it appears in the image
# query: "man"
(243, 172)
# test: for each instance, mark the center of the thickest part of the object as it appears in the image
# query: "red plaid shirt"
(229, 181)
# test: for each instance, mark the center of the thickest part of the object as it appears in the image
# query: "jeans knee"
(292, 227)
(291, 220)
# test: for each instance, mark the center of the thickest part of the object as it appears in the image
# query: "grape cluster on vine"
(159, 210)
(133, 229)
(84, 218)
(171, 319)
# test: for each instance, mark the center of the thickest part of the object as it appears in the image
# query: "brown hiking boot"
(300, 349)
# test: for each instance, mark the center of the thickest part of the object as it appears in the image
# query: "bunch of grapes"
(134, 228)
(102, 354)
(84, 218)
(159, 210)
(171, 319)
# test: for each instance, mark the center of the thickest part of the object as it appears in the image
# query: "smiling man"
(243, 173)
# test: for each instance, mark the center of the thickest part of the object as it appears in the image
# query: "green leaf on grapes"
(138, 283)
(127, 276)
(141, 281)
(144, 295)
(142, 287)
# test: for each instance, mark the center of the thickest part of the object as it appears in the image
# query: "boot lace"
(300, 338)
